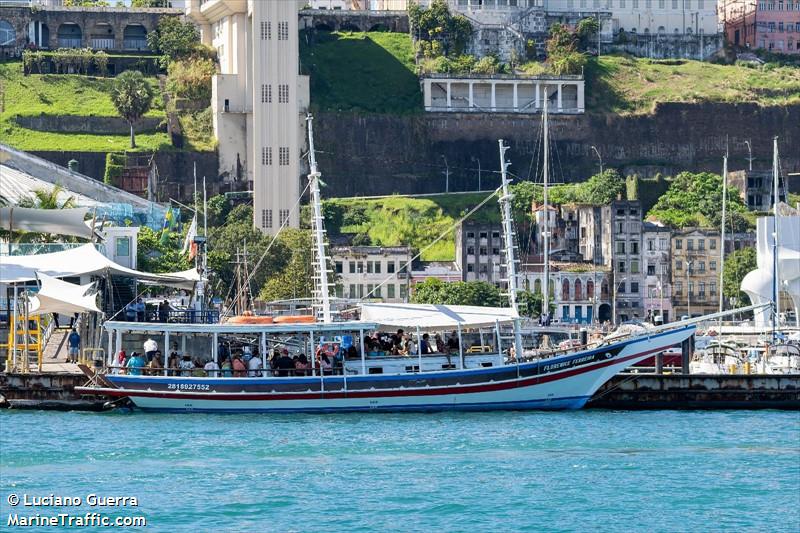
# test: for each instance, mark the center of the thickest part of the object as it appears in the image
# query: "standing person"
(74, 341)
(135, 364)
(255, 365)
(130, 312)
(140, 310)
(452, 342)
(239, 369)
(150, 348)
(212, 368)
(55, 320)
(163, 311)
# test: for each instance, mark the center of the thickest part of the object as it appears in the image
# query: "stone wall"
(698, 47)
(347, 20)
(175, 170)
(84, 124)
(382, 154)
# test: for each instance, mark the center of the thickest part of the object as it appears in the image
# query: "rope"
(444, 234)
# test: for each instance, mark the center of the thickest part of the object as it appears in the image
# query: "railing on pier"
(179, 316)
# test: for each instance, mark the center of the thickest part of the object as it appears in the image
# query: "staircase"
(55, 351)
(123, 292)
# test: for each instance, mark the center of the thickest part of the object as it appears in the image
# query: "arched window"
(590, 289)
(565, 290)
(662, 30)
(70, 35)
(134, 37)
(604, 289)
(578, 290)
(7, 34)
(537, 286)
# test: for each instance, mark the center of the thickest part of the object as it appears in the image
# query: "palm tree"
(48, 199)
(132, 96)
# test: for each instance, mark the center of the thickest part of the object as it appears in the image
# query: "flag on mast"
(188, 243)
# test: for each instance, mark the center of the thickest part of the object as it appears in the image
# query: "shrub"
(101, 62)
(487, 65)
(115, 162)
(191, 78)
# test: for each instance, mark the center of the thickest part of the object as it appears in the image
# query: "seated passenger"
(186, 365)
(352, 353)
(239, 369)
(325, 364)
(254, 365)
(439, 343)
(211, 368)
(301, 365)
(174, 364)
(227, 369)
(135, 364)
(155, 365)
(198, 371)
(425, 345)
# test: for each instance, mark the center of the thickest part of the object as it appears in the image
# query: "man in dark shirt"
(397, 338)
(284, 364)
(425, 344)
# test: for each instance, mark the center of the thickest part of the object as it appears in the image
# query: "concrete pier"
(684, 391)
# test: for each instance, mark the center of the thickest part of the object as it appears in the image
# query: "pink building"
(772, 25)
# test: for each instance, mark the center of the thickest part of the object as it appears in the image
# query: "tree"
(695, 199)
(173, 39)
(132, 96)
(737, 266)
(295, 279)
(529, 303)
(86, 3)
(154, 253)
(444, 33)
(562, 51)
(436, 291)
(151, 3)
(48, 199)
(587, 31)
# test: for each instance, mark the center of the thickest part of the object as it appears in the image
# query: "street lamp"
(749, 155)
(446, 175)
(598, 157)
(614, 299)
(688, 291)
(477, 160)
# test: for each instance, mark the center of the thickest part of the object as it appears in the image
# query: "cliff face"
(382, 154)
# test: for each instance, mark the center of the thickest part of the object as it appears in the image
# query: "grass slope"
(50, 94)
(401, 220)
(628, 85)
(361, 71)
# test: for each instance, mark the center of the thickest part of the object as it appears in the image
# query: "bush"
(101, 62)
(115, 162)
(191, 78)
(487, 65)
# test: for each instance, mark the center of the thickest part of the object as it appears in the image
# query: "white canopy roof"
(84, 260)
(57, 221)
(57, 296)
(429, 316)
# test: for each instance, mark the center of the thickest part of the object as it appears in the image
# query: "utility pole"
(477, 160)
(598, 157)
(749, 155)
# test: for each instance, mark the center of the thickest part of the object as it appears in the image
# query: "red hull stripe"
(439, 391)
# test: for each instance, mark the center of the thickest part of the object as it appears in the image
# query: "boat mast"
(722, 232)
(322, 302)
(775, 175)
(508, 234)
(546, 232)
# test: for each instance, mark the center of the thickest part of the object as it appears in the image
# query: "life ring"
(294, 319)
(245, 319)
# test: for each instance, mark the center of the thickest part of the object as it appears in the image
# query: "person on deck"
(174, 364)
(140, 310)
(452, 342)
(130, 312)
(74, 341)
(155, 365)
(212, 369)
(186, 365)
(122, 359)
(439, 343)
(150, 348)
(284, 364)
(301, 365)
(163, 311)
(425, 344)
(239, 368)
(227, 368)
(255, 365)
(135, 364)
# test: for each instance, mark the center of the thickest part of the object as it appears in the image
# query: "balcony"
(68, 42)
(135, 44)
(102, 43)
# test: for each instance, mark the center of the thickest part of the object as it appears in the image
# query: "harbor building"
(695, 274)
(657, 262)
(626, 259)
(362, 270)
(479, 252)
(258, 101)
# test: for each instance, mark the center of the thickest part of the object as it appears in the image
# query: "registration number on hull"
(188, 386)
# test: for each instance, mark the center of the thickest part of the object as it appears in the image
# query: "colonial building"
(656, 263)
(695, 275)
(479, 252)
(258, 100)
(579, 292)
(626, 259)
(362, 270)
(767, 24)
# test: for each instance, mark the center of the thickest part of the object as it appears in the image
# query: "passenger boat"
(483, 367)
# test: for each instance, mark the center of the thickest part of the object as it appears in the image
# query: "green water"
(517, 471)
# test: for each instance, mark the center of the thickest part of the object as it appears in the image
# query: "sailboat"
(386, 361)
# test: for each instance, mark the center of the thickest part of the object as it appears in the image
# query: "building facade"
(695, 275)
(362, 270)
(755, 188)
(626, 259)
(258, 101)
(656, 263)
(772, 25)
(479, 252)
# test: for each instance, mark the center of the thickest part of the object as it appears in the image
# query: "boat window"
(376, 370)
(486, 365)
(449, 367)
(414, 368)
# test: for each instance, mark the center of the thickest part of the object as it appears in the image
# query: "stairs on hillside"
(56, 348)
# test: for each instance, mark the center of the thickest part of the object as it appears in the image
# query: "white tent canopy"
(432, 317)
(84, 260)
(57, 296)
(56, 221)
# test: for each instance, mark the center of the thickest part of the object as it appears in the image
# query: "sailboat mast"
(546, 232)
(775, 175)
(322, 290)
(722, 231)
(508, 234)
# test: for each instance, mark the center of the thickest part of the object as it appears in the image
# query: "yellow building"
(695, 271)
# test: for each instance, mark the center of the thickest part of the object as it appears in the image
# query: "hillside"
(375, 72)
(47, 94)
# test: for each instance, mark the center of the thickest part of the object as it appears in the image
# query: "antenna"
(322, 298)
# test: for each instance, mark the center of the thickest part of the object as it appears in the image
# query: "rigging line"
(437, 239)
(271, 243)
